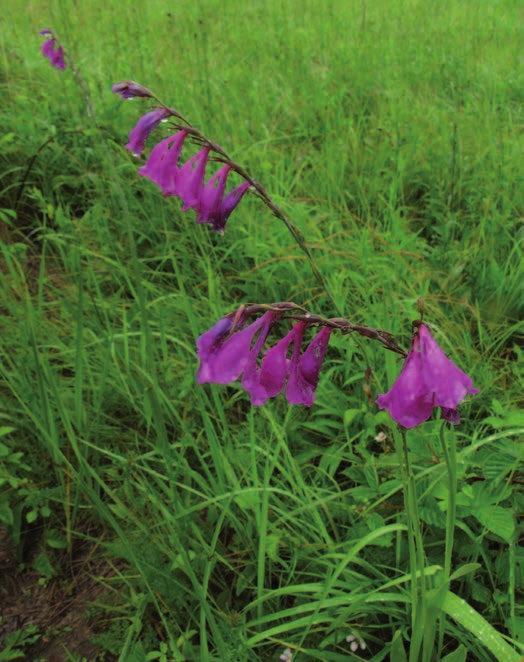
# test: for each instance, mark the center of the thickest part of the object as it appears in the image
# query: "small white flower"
(287, 655)
(350, 638)
(380, 437)
(354, 646)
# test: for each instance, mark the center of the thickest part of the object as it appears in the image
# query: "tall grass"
(389, 132)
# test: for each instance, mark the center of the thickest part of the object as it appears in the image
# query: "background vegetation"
(176, 522)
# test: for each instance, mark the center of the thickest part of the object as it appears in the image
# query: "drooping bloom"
(190, 179)
(428, 379)
(224, 357)
(143, 128)
(214, 206)
(162, 164)
(51, 50)
(128, 89)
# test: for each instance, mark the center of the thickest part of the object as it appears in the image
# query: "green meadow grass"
(391, 133)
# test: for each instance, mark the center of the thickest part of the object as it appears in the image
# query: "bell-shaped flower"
(211, 195)
(143, 128)
(57, 59)
(51, 50)
(162, 165)
(298, 375)
(224, 356)
(305, 371)
(189, 179)
(227, 206)
(128, 89)
(427, 380)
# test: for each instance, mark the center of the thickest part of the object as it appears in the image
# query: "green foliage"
(388, 131)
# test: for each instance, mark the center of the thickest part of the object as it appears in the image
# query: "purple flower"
(128, 89)
(162, 165)
(228, 205)
(213, 206)
(305, 371)
(47, 48)
(224, 356)
(428, 379)
(143, 128)
(190, 178)
(51, 50)
(211, 195)
(58, 58)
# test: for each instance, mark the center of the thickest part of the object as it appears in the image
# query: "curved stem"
(450, 455)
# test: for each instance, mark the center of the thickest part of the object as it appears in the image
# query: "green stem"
(450, 455)
(415, 547)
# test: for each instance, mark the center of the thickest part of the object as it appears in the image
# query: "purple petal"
(407, 401)
(451, 415)
(228, 205)
(189, 179)
(270, 379)
(57, 60)
(305, 371)
(162, 164)
(143, 128)
(211, 196)
(447, 383)
(225, 360)
(128, 89)
(427, 380)
(47, 48)
(46, 32)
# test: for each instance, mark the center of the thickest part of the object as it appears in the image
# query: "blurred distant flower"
(381, 437)
(128, 89)
(162, 165)
(143, 128)
(224, 357)
(51, 50)
(287, 655)
(428, 379)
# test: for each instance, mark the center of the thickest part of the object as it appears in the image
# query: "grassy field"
(143, 517)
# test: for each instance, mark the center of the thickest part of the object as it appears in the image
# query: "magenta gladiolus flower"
(224, 356)
(428, 379)
(128, 89)
(213, 206)
(189, 180)
(143, 128)
(162, 164)
(51, 50)
(58, 58)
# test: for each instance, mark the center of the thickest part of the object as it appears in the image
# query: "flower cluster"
(52, 50)
(185, 181)
(231, 349)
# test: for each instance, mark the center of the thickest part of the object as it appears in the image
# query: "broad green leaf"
(461, 612)
(458, 655)
(498, 520)
(397, 653)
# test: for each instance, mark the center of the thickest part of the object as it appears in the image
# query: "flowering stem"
(415, 547)
(79, 78)
(450, 455)
(257, 186)
(290, 310)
